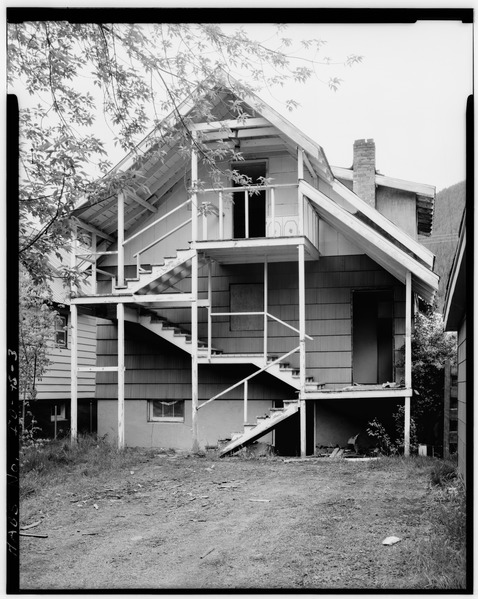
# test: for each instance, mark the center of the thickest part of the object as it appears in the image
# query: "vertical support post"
(74, 373)
(121, 375)
(221, 216)
(120, 281)
(209, 309)
(446, 410)
(302, 355)
(300, 199)
(194, 351)
(246, 213)
(408, 360)
(246, 391)
(266, 302)
(273, 213)
(74, 251)
(55, 419)
(194, 197)
(94, 246)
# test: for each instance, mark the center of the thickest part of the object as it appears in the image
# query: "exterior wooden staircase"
(173, 333)
(262, 426)
(161, 277)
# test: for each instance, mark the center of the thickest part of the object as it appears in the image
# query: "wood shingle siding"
(57, 380)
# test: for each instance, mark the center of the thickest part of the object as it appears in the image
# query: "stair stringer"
(165, 275)
(172, 333)
(265, 426)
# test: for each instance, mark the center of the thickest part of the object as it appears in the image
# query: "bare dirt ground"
(169, 522)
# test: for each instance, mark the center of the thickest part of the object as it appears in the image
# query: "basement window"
(166, 411)
(60, 411)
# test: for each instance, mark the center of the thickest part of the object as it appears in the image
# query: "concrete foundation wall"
(216, 421)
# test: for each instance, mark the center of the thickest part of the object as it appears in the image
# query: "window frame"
(171, 419)
(62, 329)
(61, 416)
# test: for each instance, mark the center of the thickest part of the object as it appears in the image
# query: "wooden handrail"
(156, 221)
(248, 378)
(153, 243)
(246, 188)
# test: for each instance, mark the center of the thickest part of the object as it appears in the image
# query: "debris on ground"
(391, 540)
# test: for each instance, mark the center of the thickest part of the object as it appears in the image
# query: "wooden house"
(281, 309)
(455, 320)
(51, 408)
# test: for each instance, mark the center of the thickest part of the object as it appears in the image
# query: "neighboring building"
(455, 320)
(285, 312)
(51, 408)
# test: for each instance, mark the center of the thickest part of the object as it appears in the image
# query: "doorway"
(256, 202)
(372, 358)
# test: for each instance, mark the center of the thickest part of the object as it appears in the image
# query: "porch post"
(74, 373)
(408, 360)
(302, 357)
(194, 197)
(121, 375)
(94, 245)
(194, 306)
(194, 351)
(300, 199)
(120, 278)
(266, 301)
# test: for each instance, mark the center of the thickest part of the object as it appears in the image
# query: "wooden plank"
(92, 229)
(248, 122)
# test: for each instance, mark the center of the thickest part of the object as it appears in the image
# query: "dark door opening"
(256, 203)
(372, 358)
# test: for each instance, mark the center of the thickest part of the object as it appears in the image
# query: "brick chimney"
(364, 170)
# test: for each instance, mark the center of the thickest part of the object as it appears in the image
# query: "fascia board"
(419, 250)
(453, 278)
(367, 234)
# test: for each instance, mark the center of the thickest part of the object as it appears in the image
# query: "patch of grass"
(441, 558)
(443, 473)
(55, 461)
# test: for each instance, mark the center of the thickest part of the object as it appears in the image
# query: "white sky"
(409, 95)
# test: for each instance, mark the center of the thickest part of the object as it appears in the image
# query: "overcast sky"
(409, 95)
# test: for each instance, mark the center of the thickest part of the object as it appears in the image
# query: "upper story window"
(61, 331)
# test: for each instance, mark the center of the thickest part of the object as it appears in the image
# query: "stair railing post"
(265, 307)
(302, 350)
(120, 281)
(121, 375)
(74, 373)
(246, 392)
(408, 360)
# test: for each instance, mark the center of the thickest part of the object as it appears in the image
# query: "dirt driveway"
(203, 523)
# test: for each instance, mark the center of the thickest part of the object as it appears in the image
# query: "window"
(61, 331)
(60, 411)
(166, 411)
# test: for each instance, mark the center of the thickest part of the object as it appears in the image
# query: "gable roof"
(264, 125)
(455, 295)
